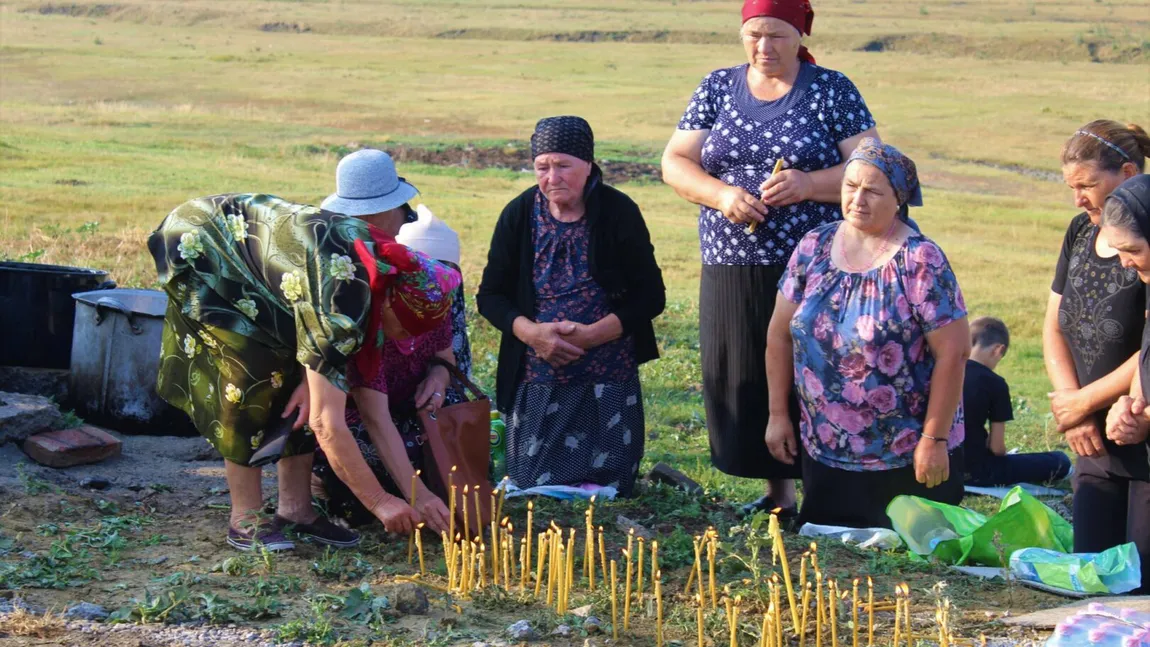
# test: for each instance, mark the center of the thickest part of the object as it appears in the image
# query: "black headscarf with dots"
(569, 135)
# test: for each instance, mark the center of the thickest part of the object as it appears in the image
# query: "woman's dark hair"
(1109, 144)
(1116, 214)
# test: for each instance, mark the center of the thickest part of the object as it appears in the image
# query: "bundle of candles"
(543, 566)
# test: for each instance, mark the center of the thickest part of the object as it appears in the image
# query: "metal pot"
(37, 311)
(115, 359)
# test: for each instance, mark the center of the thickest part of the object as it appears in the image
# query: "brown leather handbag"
(459, 436)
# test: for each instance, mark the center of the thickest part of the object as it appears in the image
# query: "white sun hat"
(431, 236)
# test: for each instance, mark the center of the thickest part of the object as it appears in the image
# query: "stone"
(407, 598)
(70, 447)
(563, 631)
(86, 611)
(626, 525)
(22, 416)
(521, 631)
(592, 625)
(46, 382)
(664, 473)
(581, 612)
(93, 483)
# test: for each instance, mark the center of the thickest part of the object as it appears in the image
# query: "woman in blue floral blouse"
(871, 333)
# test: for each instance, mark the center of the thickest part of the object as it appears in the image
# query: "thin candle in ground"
(806, 609)
(657, 583)
(639, 577)
(627, 591)
(530, 530)
(870, 612)
(419, 547)
(614, 601)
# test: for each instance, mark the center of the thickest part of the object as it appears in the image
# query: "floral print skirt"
(232, 387)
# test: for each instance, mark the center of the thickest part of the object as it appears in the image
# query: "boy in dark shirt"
(986, 403)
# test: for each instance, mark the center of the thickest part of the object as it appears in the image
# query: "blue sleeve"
(703, 109)
(844, 106)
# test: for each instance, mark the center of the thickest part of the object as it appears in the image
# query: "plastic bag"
(956, 535)
(1115, 570)
(881, 538)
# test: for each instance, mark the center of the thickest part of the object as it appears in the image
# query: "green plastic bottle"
(498, 447)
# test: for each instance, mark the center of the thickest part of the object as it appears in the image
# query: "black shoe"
(321, 531)
(767, 504)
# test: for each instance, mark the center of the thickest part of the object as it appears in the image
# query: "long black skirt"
(735, 306)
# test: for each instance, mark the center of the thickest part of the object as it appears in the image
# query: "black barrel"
(37, 311)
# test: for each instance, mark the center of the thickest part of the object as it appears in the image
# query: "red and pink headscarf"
(797, 13)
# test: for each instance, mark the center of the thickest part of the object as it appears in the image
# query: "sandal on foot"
(767, 504)
(265, 535)
(321, 531)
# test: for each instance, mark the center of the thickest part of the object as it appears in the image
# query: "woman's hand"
(780, 438)
(931, 462)
(550, 343)
(1069, 407)
(301, 399)
(786, 188)
(433, 512)
(430, 393)
(741, 207)
(1085, 439)
(1126, 424)
(396, 516)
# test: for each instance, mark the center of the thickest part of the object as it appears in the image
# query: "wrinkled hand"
(780, 439)
(1126, 424)
(741, 207)
(551, 345)
(931, 462)
(430, 393)
(301, 399)
(786, 188)
(1069, 407)
(433, 512)
(581, 336)
(1085, 439)
(396, 516)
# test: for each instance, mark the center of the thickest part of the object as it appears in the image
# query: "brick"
(664, 473)
(68, 447)
(24, 415)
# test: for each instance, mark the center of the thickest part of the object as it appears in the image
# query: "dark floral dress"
(582, 423)
(256, 287)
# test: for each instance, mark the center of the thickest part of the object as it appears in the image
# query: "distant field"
(116, 112)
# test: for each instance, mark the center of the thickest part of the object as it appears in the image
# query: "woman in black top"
(1092, 334)
(572, 283)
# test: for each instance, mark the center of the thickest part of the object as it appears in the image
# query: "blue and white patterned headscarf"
(898, 168)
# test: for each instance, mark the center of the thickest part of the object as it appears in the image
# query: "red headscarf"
(414, 289)
(797, 13)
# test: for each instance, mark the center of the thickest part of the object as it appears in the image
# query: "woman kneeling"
(871, 330)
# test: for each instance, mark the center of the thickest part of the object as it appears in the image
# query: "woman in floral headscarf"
(870, 331)
(267, 303)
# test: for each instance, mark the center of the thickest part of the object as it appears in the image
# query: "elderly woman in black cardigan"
(572, 283)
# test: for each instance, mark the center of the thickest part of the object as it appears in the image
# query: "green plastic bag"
(955, 535)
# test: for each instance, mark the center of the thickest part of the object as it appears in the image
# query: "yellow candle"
(559, 577)
(766, 633)
(694, 567)
(539, 569)
(496, 552)
(777, 540)
(806, 609)
(906, 610)
(639, 577)
(833, 603)
(482, 569)
(870, 612)
(897, 615)
(614, 600)
(419, 547)
(855, 613)
(699, 618)
(712, 550)
(734, 620)
(466, 519)
(478, 514)
(814, 556)
(451, 491)
(657, 582)
(570, 569)
(654, 558)
(411, 501)
(524, 565)
(589, 549)
(602, 552)
(627, 591)
(818, 608)
(530, 530)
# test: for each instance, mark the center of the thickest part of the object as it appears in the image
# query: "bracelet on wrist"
(936, 438)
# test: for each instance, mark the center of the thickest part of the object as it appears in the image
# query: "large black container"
(37, 311)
